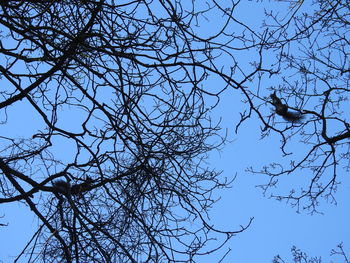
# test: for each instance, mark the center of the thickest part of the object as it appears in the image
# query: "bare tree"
(115, 170)
(302, 257)
(304, 76)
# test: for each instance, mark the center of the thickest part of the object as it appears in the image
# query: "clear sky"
(276, 226)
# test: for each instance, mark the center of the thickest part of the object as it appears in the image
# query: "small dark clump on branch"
(61, 186)
(282, 110)
(64, 187)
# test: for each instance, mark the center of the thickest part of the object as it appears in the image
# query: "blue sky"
(276, 226)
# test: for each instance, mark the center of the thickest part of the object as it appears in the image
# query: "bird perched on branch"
(282, 110)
